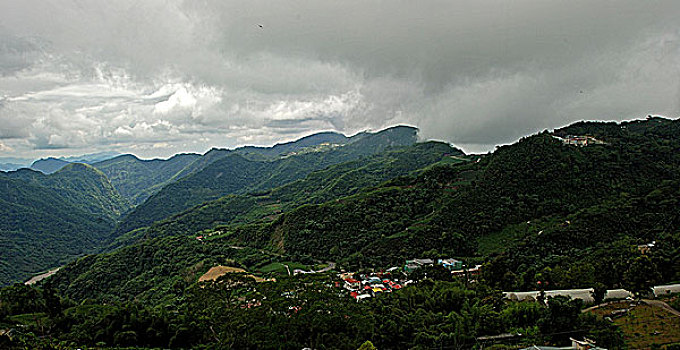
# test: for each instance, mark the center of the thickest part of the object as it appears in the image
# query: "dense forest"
(241, 172)
(51, 219)
(294, 313)
(48, 220)
(540, 213)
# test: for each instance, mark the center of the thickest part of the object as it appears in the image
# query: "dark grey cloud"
(160, 77)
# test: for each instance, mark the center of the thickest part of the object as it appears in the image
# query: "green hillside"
(138, 179)
(538, 210)
(317, 187)
(237, 173)
(611, 196)
(50, 219)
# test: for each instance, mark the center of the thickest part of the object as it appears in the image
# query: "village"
(370, 285)
(579, 140)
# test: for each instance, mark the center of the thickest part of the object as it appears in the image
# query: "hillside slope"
(317, 187)
(237, 173)
(120, 278)
(535, 210)
(49, 219)
(137, 179)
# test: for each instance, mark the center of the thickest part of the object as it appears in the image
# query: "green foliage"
(570, 217)
(237, 173)
(138, 179)
(641, 276)
(48, 220)
(367, 346)
(151, 270)
(299, 312)
(317, 187)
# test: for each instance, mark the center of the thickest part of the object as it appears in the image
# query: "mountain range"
(77, 208)
(589, 205)
(52, 164)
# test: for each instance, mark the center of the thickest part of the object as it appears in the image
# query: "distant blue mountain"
(49, 165)
(90, 158)
(52, 164)
(13, 163)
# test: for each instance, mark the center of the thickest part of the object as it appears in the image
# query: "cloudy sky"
(156, 78)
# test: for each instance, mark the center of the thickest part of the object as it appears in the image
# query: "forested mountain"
(539, 208)
(317, 187)
(51, 164)
(137, 179)
(539, 180)
(239, 173)
(543, 209)
(81, 183)
(144, 277)
(48, 220)
(73, 210)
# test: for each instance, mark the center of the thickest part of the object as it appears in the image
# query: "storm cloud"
(159, 77)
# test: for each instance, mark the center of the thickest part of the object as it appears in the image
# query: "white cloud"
(163, 76)
(5, 148)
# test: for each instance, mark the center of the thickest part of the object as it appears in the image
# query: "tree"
(640, 276)
(599, 292)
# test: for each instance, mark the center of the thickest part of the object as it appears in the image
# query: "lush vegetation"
(299, 312)
(602, 216)
(47, 220)
(238, 173)
(572, 216)
(138, 179)
(320, 186)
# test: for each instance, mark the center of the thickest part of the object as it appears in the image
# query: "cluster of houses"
(580, 141)
(455, 266)
(362, 286)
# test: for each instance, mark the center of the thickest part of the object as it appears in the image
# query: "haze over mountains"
(52, 164)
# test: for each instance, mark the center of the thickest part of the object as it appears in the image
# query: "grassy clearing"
(644, 326)
(218, 271)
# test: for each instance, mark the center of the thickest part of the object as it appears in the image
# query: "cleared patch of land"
(38, 278)
(644, 325)
(218, 271)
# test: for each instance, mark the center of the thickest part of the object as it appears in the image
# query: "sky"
(156, 78)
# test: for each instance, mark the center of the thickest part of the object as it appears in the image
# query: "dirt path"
(663, 305)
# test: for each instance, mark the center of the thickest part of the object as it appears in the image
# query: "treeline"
(236, 312)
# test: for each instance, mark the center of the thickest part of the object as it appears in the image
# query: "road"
(585, 294)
